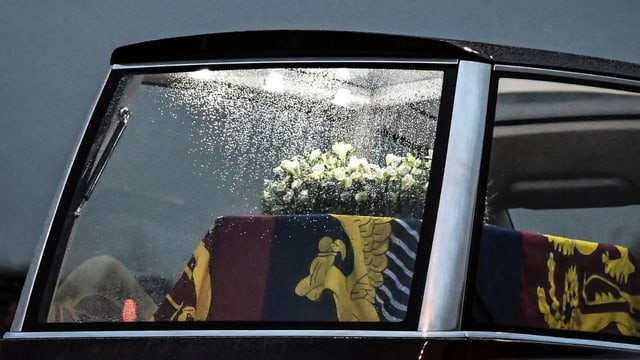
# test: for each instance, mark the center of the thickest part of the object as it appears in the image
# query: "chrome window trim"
(565, 74)
(291, 61)
(446, 277)
(551, 340)
(230, 333)
(428, 335)
(25, 296)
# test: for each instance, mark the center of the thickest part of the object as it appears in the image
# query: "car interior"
(195, 151)
(562, 164)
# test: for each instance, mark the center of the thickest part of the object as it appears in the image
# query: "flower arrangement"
(338, 181)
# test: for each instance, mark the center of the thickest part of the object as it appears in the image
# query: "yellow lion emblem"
(354, 294)
(562, 307)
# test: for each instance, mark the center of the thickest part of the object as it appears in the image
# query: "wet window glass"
(275, 194)
(561, 241)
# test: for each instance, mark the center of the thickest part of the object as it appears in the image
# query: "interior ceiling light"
(204, 74)
(343, 97)
(274, 82)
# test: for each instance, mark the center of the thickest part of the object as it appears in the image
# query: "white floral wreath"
(337, 181)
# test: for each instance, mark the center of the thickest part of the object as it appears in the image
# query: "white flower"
(411, 160)
(392, 160)
(417, 172)
(330, 160)
(315, 154)
(339, 174)
(370, 174)
(390, 172)
(296, 184)
(407, 182)
(357, 163)
(317, 172)
(379, 173)
(342, 150)
(403, 169)
(291, 166)
(278, 171)
(356, 175)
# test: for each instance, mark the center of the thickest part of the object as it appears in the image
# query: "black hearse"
(287, 194)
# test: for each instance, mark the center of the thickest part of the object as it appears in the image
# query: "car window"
(271, 194)
(561, 241)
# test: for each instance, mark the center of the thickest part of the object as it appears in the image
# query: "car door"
(554, 260)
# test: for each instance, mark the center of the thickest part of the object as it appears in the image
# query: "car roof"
(283, 43)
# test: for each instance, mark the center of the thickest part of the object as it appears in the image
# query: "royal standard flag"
(298, 268)
(532, 280)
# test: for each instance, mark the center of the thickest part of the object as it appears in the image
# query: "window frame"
(41, 282)
(475, 329)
